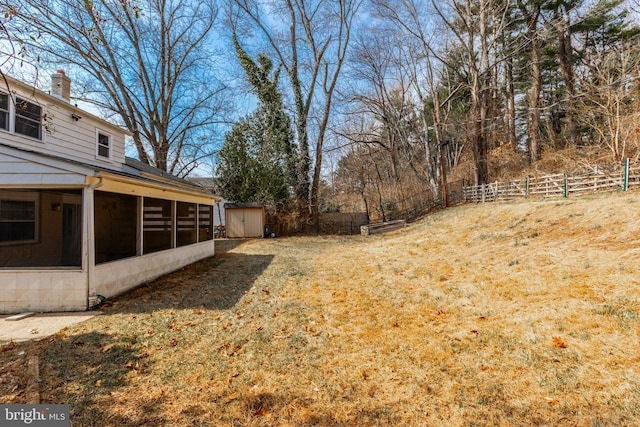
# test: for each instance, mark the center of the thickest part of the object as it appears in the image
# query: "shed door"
(244, 222)
(235, 222)
(253, 222)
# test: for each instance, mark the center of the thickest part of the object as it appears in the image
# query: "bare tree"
(423, 50)
(531, 12)
(310, 40)
(477, 26)
(384, 96)
(145, 61)
(609, 103)
(12, 46)
(353, 175)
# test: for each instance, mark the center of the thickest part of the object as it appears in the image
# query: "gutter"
(153, 182)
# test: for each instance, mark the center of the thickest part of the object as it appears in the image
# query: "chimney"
(61, 86)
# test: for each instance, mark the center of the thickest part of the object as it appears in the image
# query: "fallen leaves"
(10, 346)
(551, 401)
(233, 350)
(107, 347)
(559, 342)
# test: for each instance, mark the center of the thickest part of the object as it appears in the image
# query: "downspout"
(89, 215)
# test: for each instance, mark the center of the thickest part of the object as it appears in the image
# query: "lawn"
(518, 313)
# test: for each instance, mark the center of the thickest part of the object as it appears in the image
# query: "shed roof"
(243, 205)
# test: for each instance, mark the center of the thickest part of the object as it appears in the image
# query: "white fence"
(557, 185)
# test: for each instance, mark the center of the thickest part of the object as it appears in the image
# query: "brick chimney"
(61, 86)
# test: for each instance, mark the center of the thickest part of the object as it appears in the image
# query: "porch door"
(71, 234)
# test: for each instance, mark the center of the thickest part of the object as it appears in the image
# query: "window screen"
(4, 111)
(104, 145)
(28, 119)
(157, 222)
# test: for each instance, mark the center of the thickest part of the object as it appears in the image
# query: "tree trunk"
(565, 56)
(533, 114)
(510, 105)
(483, 99)
(533, 129)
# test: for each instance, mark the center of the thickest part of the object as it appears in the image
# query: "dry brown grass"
(520, 313)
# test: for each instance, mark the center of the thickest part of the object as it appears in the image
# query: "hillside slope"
(526, 310)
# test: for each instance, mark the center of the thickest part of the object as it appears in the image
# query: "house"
(78, 219)
(211, 184)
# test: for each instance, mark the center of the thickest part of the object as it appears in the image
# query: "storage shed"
(244, 219)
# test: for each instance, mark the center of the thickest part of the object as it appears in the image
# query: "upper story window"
(104, 145)
(28, 119)
(4, 111)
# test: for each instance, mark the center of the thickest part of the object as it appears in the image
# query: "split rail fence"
(556, 185)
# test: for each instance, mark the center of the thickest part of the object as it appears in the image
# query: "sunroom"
(71, 232)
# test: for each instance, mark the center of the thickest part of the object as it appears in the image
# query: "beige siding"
(253, 223)
(235, 222)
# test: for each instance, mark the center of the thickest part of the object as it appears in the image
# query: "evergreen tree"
(257, 162)
(251, 165)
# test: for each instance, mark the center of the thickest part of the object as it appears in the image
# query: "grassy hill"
(518, 313)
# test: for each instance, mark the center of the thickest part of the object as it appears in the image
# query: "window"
(4, 111)
(18, 217)
(28, 120)
(104, 145)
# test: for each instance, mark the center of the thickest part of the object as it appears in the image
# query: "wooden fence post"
(526, 187)
(566, 189)
(625, 180)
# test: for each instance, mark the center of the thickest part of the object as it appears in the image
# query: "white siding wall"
(119, 276)
(65, 137)
(43, 290)
(16, 172)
